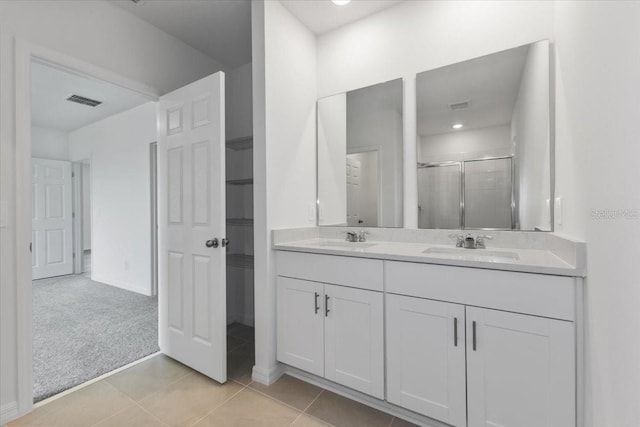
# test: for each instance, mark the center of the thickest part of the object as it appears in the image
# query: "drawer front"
(338, 270)
(536, 294)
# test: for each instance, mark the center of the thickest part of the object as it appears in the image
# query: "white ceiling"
(322, 16)
(50, 87)
(220, 29)
(491, 84)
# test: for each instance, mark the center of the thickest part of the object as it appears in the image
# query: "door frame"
(378, 150)
(26, 52)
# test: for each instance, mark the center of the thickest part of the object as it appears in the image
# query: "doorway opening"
(94, 307)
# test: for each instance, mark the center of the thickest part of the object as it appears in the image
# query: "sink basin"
(473, 254)
(345, 244)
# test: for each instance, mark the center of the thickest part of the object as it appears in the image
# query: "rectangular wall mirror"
(360, 173)
(484, 142)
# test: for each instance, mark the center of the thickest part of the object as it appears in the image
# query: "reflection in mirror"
(483, 141)
(360, 157)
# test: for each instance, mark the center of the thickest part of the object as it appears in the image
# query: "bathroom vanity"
(413, 325)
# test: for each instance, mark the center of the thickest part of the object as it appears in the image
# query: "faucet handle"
(459, 239)
(480, 238)
(362, 236)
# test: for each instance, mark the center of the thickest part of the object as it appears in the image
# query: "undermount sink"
(345, 244)
(474, 254)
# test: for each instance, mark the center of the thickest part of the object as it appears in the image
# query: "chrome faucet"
(469, 242)
(354, 237)
(351, 236)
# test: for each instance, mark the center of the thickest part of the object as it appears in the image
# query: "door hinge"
(73, 214)
(73, 174)
(74, 254)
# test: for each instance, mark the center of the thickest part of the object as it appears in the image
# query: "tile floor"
(163, 392)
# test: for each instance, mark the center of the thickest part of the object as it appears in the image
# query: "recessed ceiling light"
(457, 126)
(340, 2)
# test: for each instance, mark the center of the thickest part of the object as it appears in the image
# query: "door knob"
(225, 242)
(212, 243)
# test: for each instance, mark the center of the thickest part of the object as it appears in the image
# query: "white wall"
(471, 144)
(284, 96)
(49, 143)
(597, 152)
(86, 206)
(98, 33)
(530, 131)
(332, 155)
(416, 36)
(118, 147)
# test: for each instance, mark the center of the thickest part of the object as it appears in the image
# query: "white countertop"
(510, 259)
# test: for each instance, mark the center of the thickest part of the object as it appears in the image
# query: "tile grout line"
(273, 398)
(135, 404)
(304, 411)
(220, 405)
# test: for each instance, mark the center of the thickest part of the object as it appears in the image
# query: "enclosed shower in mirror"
(467, 194)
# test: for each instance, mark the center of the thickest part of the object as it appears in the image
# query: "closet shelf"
(237, 144)
(240, 260)
(245, 181)
(240, 221)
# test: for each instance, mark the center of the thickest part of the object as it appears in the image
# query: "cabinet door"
(520, 370)
(426, 357)
(354, 354)
(300, 324)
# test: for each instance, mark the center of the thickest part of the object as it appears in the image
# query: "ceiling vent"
(84, 101)
(459, 105)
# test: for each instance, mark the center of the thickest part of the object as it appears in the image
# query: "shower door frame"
(461, 164)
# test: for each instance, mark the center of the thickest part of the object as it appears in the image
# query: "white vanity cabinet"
(469, 347)
(301, 324)
(328, 329)
(426, 357)
(519, 368)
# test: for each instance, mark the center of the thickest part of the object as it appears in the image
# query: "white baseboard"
(121, 285)
(8, 412)
(267, 376)
(365, 399)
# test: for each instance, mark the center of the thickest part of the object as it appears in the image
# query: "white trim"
(78, 235)
(8, 412)
(580, 340)
(365, 399)
(25, 52)
(121, 285)
(94, 380)
(267, 376)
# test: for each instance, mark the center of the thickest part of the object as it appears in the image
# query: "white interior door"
(191, 200)
(353, 192)
(51, 219)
